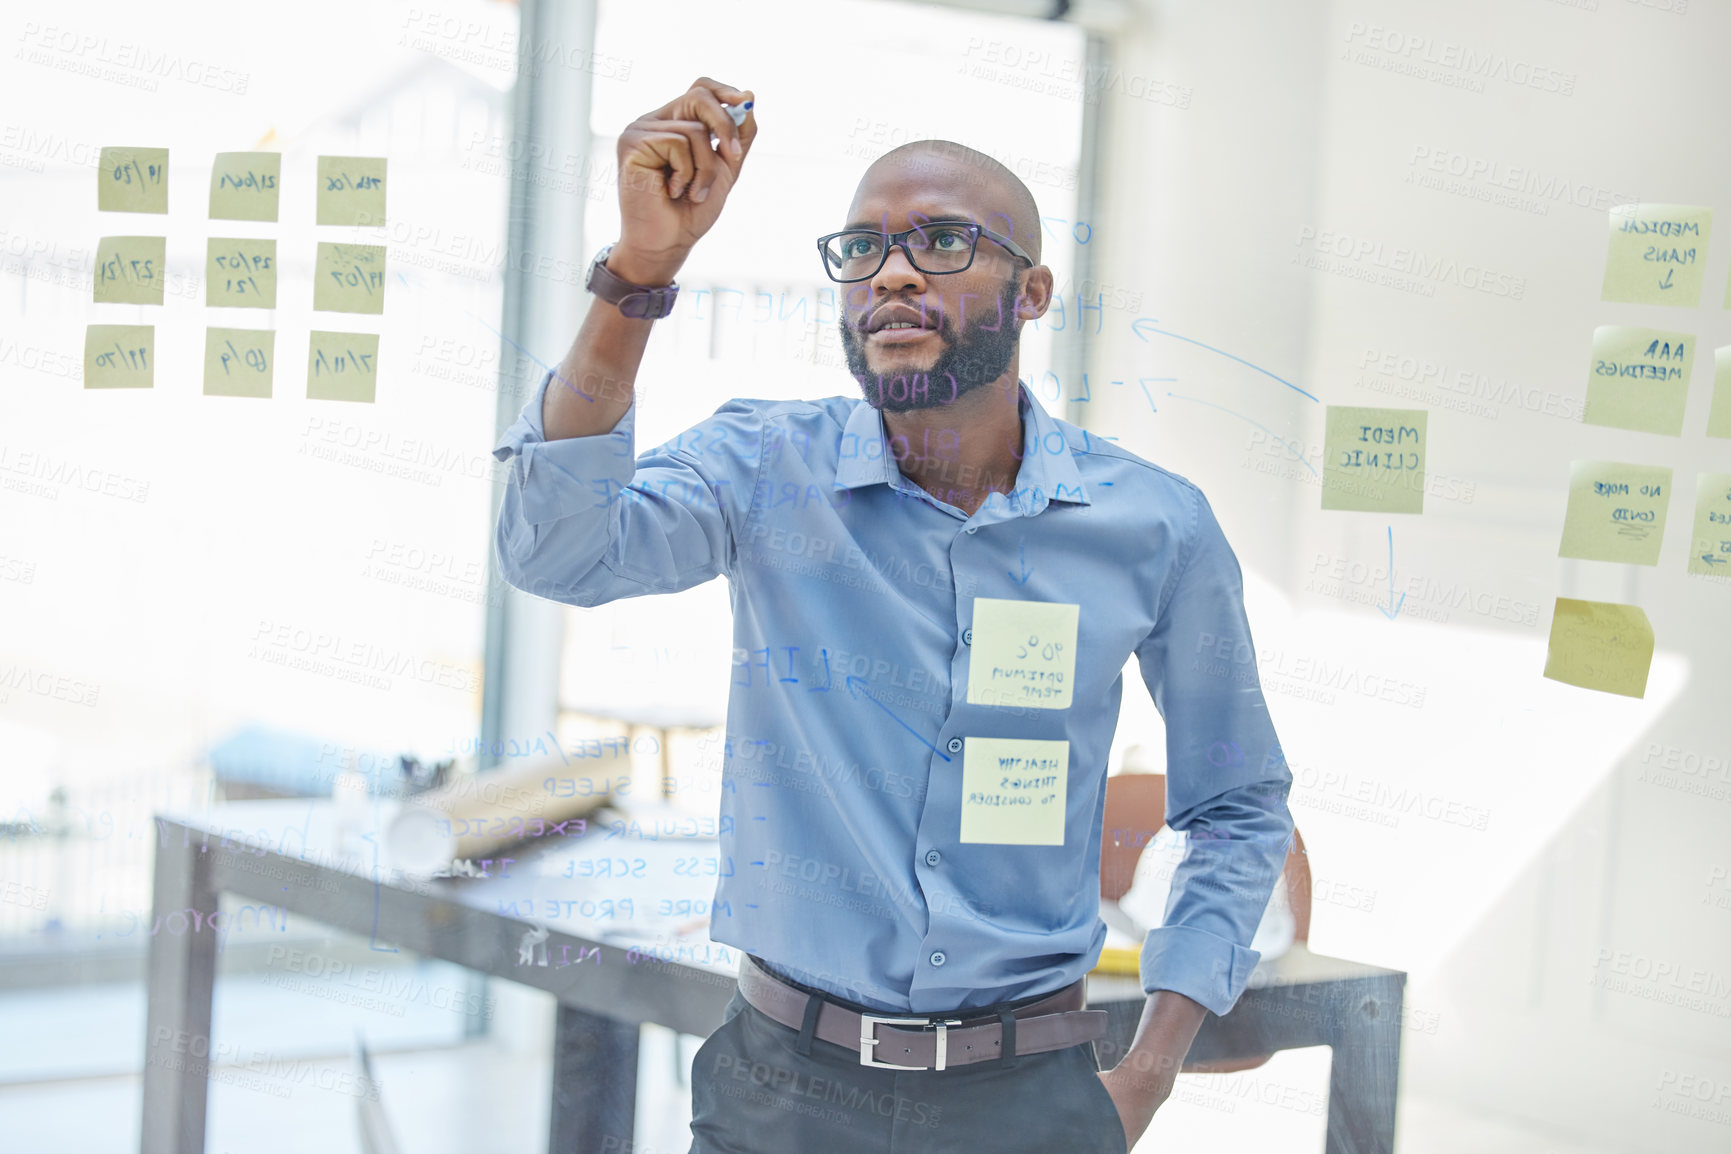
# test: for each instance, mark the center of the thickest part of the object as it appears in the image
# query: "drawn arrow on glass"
(855, 686)
(1666, 283)
(1391, 614)
(1022, 559)
(1712, 560)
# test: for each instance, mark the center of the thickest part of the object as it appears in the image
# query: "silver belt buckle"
(867, 1027)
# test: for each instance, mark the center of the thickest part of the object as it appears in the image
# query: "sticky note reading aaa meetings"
(1640, 379)
(342, 366)
(119, 356)
(1616, 512)
(1600, 645)
(1013, 790)
(1373, 459)
(1657, 255)
(1023, 653)
(132, 180)
(349, 278)
(238, 362)
(1710, 544)
(243, 185)
(129, 270)
(351, 190)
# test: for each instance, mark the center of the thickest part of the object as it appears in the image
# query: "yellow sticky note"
(1719, 416)
(342, 366)
(1373, 459)
(132, 180)
(119, 356)
(1710, 544)
(1616, 512)
(1658, 254)
(349, 278)
(1023, 653)
(1013, 790)
(1640, 379)
(1600, 645)
(129, 270)
(240, 273)
(243, 185)
(238, 362)
(351, 190)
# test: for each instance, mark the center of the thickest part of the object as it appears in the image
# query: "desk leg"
(1365, 1075)
(181, 970)
(594, 1083)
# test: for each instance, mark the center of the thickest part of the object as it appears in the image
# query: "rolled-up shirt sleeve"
(585, 521)
(1227, 779)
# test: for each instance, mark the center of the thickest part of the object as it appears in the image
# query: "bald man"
(936, 589)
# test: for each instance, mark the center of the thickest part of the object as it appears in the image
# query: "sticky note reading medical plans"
(132, 180)
(1600, 645)
(129, 270)
(1023, 653)
(243, 185)
(1639, 380)
(1710, 544)
(1013, 790)
(351, 190)
(1373, 459)
(238, 362)
(1616, 512)
(240, 273)
(1719, 414)
(1658, 253)
(342, 366)
(349, 278)
(119, 356)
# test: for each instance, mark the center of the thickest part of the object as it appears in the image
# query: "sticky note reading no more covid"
(1013, 790)
(1023, 653)
(1600, 645)
(1616, 512)
(1639, 379)
(1374, 459)
(1657, 254)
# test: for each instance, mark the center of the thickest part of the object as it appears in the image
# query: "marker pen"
(736, 112)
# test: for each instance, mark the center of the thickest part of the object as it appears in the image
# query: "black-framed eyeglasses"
(935, 248)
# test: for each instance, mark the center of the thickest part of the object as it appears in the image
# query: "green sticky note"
(129, 270)
(351, 190)
(240, 273)
(243, 185)
(349, 278)
(1658, 254)
(132, 180)
(1639, 379)
(1600, 645)
(1719, 416)
(1710, 544)
(342, 366)
(238, 362)
(1014, 791)
(1616, 512)
(1023, 653)
(1373, 459)
(119, 356)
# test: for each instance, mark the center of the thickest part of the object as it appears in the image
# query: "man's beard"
(975, 357)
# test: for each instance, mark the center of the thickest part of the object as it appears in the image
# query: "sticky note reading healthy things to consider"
(240, 273)
(351, 190)
(1013, 791)
(243, 185)
(132, 180)
(349, 278)
(1640, 379)
(342, 366)
(1374, 459)
(1023, 653)
(1657, 254)
(119, 356)
(1710, 545)
(1616, 512)
(1600, 645)
(129, 270)
(238, 362)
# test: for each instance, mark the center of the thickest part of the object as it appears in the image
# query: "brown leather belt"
(928, 1042)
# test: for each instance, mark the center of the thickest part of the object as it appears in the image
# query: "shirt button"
(938, 958)
(955, 745)
(973, 528)
(967, 637)
(933, 857)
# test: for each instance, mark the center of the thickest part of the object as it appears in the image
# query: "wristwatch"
(641, 302)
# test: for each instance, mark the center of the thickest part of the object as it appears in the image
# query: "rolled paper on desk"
(478, 814)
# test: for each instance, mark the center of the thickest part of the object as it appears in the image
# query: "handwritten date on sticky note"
(1013, 790)
(129, 270)
(351, 190)
(349, 278)
(1600, 645)
(238, 362)
(240, 273)
(243, 185)
(1023, 653)
(1710, 544)
(1616, 512)
(1639, 379)
(1658, 254)
(119, 356)
(132, 180)
(1374, 459)
(342, 366)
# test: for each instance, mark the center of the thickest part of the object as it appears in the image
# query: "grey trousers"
(754, 1092)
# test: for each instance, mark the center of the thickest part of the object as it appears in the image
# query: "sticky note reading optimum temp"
(342, 366)
(1710, 544)
(119, 356)
(132, 180)
(1616, 512)
(1640, 379)
(351, 190)
(1013, 790)
(1600, 645)
(1023, 653)
(349, 278)
(1373, 459)
(1657, 254)
(240, 273)
(238, 362)
(129, 270)
(243, 185)
(1719, 416)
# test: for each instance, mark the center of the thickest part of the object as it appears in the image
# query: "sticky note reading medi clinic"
(1616, 512)
(1023, 653)
(1658, 254)
(1014, 790)
(1373, 459)
(1639, 379)
(1600, 645)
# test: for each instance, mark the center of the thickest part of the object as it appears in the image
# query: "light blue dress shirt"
(853, 594)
